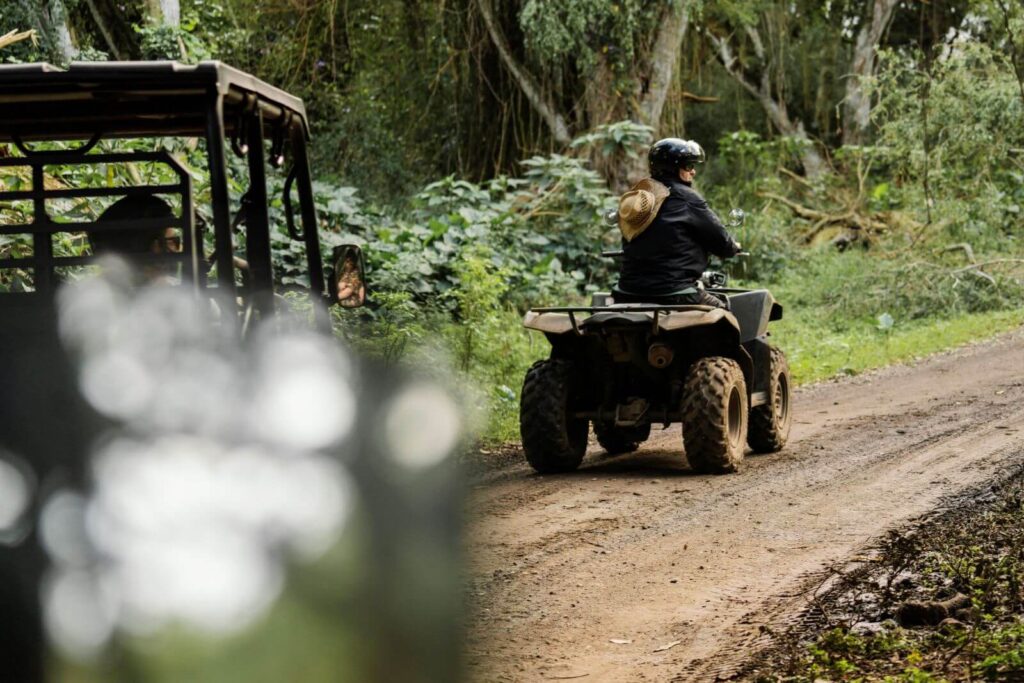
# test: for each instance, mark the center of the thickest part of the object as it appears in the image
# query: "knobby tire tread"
(769, 431)
(552, 442)
(706, 413)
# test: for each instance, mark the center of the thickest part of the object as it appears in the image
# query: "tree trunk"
(65, 43)
(171, 10)
(164, 12)
(814, 164)
(663, 61)
(1016, 56)
(52, 26)
(857, 110)
(118, 34)
(653, 91)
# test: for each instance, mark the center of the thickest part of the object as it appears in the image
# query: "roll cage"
(227, 108)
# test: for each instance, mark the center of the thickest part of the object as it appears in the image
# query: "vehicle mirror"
(348, 279)
(738, 216)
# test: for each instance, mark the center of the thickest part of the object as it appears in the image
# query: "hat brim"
(660, 192)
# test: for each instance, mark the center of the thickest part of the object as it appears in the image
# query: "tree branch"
(755, 38)
(975, 266)
(813, 164)
(119, 35)
(700, 99)
(105, 30)
(532, 90)
(728, 61)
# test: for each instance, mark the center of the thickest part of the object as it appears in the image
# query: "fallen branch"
(964, 247)
(930, 613)
(799, 210)
(795, 176)
(849, 219)
(975, 266)
(12, 37)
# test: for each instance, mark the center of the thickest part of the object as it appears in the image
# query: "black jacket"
(672, 253)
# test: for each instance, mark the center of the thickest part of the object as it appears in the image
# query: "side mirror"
(737, 216)
(348, 278)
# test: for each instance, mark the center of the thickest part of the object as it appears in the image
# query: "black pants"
(698, 298)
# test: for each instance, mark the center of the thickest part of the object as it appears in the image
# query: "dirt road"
(636, 569)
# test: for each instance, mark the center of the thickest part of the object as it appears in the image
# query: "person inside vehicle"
(129, 242)
(668, 231)
(351, 290)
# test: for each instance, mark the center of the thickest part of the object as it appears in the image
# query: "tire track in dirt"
(638, 548)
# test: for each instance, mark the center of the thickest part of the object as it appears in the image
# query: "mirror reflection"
(349, 276)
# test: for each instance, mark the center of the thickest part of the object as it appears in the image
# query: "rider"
(668, 230)
(133, 242)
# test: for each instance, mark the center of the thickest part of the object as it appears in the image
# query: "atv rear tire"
(770, 423)
(617, 440)
(715, 415)
(553, 440)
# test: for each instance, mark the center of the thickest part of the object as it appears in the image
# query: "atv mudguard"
(753, 310)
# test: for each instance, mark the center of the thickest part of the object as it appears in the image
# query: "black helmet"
(668, 155)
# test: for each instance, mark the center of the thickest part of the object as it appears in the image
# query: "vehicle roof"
(130, 99)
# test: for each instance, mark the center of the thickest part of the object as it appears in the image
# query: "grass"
(816, 350)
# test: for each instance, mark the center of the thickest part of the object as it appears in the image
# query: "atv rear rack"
(627, 308)
(657, 309)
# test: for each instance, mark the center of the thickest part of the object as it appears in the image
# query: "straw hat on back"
(639, 206)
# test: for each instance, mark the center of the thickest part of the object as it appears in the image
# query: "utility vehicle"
(55, 125)
(626, 367)
(209, 104)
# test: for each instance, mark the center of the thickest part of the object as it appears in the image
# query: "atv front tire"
(553, 440)
(715, 415)
(617, 440)
(770, 423)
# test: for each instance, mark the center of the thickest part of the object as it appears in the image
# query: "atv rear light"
(660, 355)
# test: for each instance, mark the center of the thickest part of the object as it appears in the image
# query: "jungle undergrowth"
(973, 548)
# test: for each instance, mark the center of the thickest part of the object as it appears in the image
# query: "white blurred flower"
(422, 425)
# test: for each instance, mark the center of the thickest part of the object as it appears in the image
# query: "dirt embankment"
(636, 569)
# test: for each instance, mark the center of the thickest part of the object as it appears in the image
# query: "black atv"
(625, 367)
